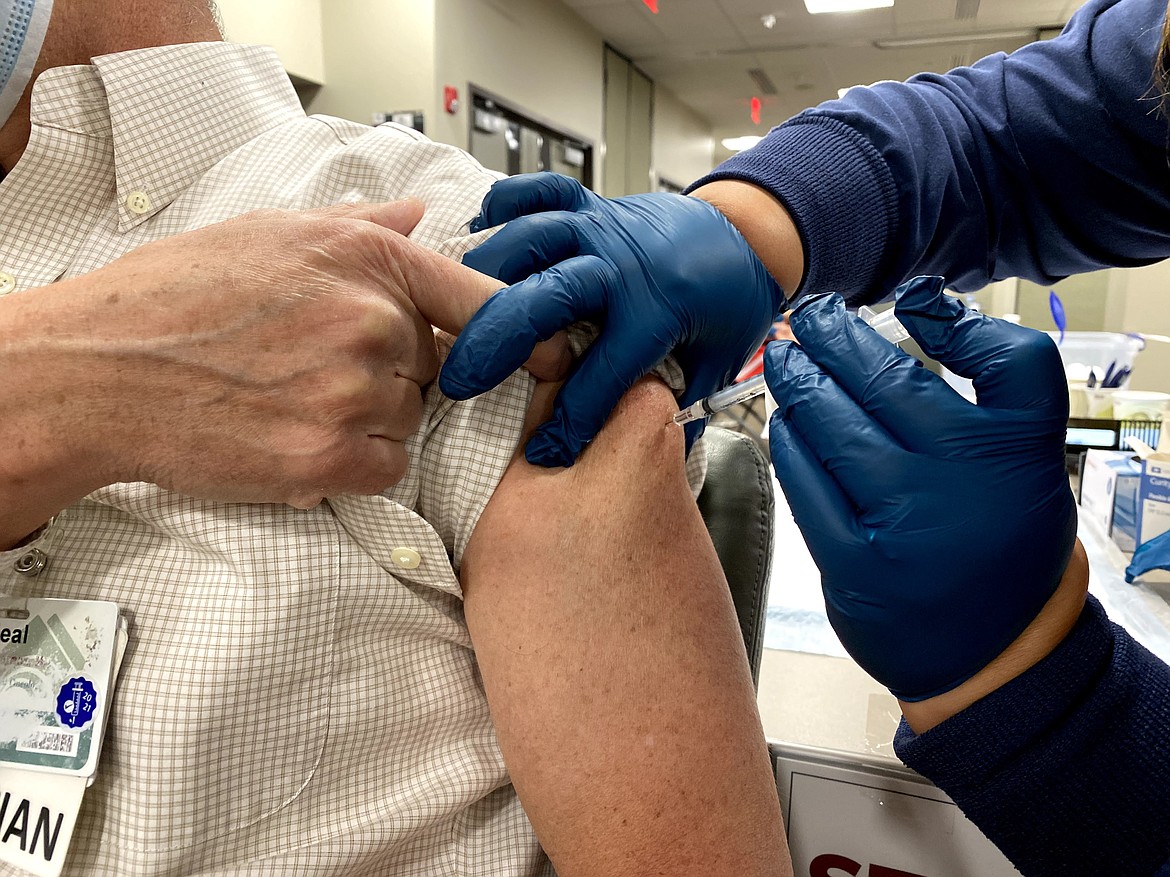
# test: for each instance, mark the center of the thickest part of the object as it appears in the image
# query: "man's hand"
(663, 273)
(276, 357)
(941, 528)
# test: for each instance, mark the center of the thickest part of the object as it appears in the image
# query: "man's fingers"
(608, 368)
(504, 333)
(446, 293)
(408, 348)
(526, 194)
(398, 216)
(378, 463)
(551, 360)
(396, 412)
(368, 465)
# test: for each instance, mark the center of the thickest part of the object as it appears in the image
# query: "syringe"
(722, 400)
(884, 323)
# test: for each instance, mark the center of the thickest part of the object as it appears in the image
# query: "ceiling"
(704, 51)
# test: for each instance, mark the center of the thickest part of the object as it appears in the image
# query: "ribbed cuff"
(839, 193)
(966, 748)
(1066, 767)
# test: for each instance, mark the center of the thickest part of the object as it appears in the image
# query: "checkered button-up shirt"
(294, 699)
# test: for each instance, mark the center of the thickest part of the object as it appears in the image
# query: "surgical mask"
(24, 24)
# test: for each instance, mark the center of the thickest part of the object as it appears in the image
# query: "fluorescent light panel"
(816, 7)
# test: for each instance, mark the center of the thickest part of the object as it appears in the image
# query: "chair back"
(738, 506)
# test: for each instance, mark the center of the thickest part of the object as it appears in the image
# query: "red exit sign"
(652, 5)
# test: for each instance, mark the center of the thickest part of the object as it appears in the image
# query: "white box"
(1099, 483)
(844, 816)
(1142, 512)
(1154, 498)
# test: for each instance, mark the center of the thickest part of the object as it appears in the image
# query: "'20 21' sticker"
(76, 702)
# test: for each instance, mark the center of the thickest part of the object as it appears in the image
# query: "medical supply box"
(1142, 504)
(1107, 473)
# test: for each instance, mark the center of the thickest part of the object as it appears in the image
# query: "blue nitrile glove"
(1154, 554)
(940, 527)
(663, 273)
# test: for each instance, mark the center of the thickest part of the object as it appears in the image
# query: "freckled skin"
(604, 628)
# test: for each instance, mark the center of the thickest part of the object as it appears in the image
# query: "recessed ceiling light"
(818, 6)
(739, 144)
(768, 21)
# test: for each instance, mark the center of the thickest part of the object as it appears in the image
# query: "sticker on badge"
(76, 702)
(57, 668)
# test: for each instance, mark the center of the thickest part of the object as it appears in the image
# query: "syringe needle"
(722, 400)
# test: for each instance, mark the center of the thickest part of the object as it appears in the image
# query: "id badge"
(56, 674)
(58, 663)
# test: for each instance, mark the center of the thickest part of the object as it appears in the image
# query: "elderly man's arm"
(188, 363)
(613, 664)
(275, 357)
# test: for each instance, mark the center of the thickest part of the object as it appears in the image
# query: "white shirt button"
(138, 202)
(7, 282)
(407, 558)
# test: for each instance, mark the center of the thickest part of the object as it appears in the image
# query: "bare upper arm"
(613, 662)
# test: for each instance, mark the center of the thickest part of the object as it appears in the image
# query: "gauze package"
(24, 25)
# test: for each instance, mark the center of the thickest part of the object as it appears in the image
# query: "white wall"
(396, 55)
(535, 54)
(684, 147)
(379, 57)
(1139, 301)
(292, 27)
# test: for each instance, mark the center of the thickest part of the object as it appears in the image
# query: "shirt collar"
(172, 112)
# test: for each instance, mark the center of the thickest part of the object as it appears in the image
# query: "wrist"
(1039, 639)
(764, 223)
(53, 437)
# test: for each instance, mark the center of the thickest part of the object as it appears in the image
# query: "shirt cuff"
(839, 192)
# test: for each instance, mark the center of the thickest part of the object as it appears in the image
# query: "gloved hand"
(940, 527)
(662, 272)
(1154, 554)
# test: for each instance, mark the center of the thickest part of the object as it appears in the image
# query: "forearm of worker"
(1063, 766)
(50, 431)
(1038, 640)
(765, 224)
(613, 664)
(999, 169)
